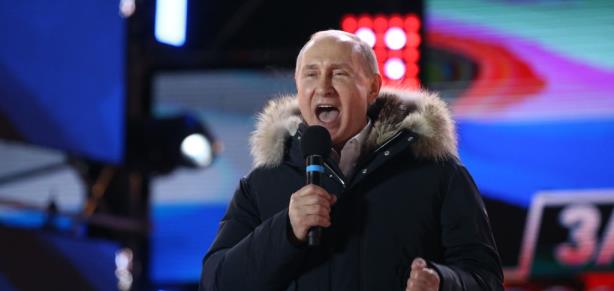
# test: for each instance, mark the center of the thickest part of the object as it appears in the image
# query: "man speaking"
(396, 208)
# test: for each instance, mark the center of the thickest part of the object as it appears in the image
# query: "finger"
(417, 285)
(424, 279)
(333, 198)
(309, 221)
(324, 194)
(311, 189)
(317, 220)
(313, 200)
(430, 271)
(415, 275)
(321, 192)
(433, 276)
(418, 263)
(319, 209)
(410, 285)
(313, 210)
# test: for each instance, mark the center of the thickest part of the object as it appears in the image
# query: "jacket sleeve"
(471, 259)
(250, 254)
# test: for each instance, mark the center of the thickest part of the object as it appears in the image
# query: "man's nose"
(325, 86)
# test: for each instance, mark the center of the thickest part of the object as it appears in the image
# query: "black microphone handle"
(313, 177)
(314, 236)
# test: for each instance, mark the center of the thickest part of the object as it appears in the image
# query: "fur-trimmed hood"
(421, 112)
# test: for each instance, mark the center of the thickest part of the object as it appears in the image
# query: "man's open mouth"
(327, 113)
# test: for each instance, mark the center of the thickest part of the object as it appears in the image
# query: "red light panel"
(409, 54)
(412, 70)
(365, 21)
(412, 23)
(395, 54)
(349, 24)
(413, 39)
(395, 21)
(412, 83)
(380, 24)
(381, 54)
(379, 40)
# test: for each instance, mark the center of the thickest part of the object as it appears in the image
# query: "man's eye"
(310, 74)
(340, 73)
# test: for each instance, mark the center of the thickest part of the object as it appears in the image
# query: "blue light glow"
(171, 16)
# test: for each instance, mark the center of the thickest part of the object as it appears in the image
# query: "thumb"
(418, 263)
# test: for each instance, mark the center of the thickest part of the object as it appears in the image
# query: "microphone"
(316, 145)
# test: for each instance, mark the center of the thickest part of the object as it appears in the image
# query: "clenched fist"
(309, 207)
(422, 278)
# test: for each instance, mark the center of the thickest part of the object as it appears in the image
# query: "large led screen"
(62, 76)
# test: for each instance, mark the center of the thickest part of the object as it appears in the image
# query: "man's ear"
(376, 85)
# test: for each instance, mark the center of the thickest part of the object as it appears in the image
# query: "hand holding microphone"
(310, 206)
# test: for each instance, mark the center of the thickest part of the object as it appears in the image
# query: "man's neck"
(338, 147)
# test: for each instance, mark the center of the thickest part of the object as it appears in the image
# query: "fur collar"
(421, 112)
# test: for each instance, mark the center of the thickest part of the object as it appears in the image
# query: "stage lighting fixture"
(367, 35)
(394, 68)
(163, 144)
(396, 40)
(197, 150)
(411, 23)
(380, 23)
(349, 24)
(170, 25)
(413, 39)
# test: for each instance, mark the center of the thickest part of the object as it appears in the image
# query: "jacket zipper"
(374, 153)
(395, 136)
(337, 177)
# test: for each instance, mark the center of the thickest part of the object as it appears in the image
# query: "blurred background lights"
(123, 269)
(126, 8)
(171, 16)
(197, 149)
(413, 39)
(367, 35)
(349, 23)
(412, 23)
(396, 41)
(394, 68)
(395, 38)
(380, 23)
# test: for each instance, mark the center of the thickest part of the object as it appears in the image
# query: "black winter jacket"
(409, 198)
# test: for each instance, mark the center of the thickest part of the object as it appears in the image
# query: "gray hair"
(364, 49)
